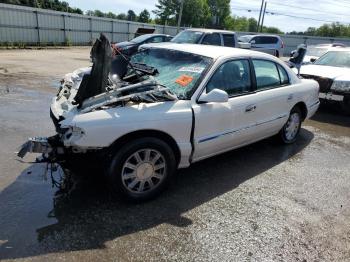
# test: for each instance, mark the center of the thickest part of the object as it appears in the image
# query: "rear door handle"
(290, 97)
(250, 108)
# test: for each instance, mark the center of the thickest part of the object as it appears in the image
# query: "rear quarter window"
(283, 75)
(270, 40)
(267, 75)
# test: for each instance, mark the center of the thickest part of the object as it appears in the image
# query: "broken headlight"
(341, 86)
(72, 134)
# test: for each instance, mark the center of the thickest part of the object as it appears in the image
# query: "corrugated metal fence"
(28, 25)
(32, 25)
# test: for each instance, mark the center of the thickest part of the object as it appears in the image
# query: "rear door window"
(229, 40)
(212, 39)
(270, 40)
(257, 40)
(266, 73)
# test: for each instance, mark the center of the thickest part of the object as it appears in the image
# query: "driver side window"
(232, 77)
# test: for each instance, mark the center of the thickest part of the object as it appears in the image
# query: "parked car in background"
(315, 51)
(206, 37)
(272, 44)
(185, 103)
(332, 72)
(130, 47)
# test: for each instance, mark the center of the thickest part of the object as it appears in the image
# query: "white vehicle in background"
(314, 52)
(271, 44)
(176, 105)
(332, 72)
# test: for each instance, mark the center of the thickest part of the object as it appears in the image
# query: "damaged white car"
(170, 106)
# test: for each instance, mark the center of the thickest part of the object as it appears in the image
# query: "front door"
(222, 126)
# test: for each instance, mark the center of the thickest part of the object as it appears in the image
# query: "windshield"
(140, 39)
(316, 51)
(178, 71)
(187, 36)
(334, 58)
(245, 39)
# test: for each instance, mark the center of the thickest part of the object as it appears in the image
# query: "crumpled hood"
(338, 73)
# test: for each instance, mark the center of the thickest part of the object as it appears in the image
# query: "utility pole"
(180, 15)
(261, 8)
(262, 20)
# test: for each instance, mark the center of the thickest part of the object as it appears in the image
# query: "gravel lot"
(264, 202)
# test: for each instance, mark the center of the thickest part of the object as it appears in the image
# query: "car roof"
(277, 36)
(210, 50)
(206, 30)
(155, 34)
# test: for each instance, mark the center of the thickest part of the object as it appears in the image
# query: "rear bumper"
(311, 110)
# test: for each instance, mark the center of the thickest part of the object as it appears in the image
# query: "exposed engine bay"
(112, 81)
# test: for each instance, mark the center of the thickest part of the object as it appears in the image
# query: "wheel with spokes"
(141, 169)
(291, 129)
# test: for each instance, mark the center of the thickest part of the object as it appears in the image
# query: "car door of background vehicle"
(273, 97)
(222, 126)
(211, 39)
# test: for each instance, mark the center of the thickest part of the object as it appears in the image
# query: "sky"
(287, 15)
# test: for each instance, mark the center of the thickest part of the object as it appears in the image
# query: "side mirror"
(215, 95)
(252, 42)
(312, 60)
(244, 45)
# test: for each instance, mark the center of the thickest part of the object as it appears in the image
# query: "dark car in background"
(130, 47)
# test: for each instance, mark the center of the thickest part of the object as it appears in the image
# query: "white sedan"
(200, 101)
(332, 72)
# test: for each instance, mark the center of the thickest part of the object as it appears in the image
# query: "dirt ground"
(263, 202)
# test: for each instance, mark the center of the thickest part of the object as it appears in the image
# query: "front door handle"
(250, 108)
(290, 97)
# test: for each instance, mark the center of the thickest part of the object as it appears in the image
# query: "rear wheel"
(141, 169)
(291, 129)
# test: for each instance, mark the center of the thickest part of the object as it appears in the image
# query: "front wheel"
(141, 169)
(291, 129)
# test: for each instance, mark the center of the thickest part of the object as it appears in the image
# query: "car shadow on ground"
(332, 113)
(90, 216)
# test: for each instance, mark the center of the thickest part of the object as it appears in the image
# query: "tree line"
(196, 13)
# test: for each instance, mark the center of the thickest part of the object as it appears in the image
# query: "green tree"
(167, 12)
(111, 15)
(122, 16)
(220, 10)
(131, 15)
(144, 16)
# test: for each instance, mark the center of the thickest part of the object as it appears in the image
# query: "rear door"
(211, 39)
(274, 94)
(266, 44)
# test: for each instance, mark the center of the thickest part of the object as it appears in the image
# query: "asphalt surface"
(263, 202)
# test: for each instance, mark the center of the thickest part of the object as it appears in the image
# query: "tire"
(277, 53)
(290, 131)
(142, 169)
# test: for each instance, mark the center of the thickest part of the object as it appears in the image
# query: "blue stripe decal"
(238, 130)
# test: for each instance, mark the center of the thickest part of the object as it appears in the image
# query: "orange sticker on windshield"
(184, 80)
